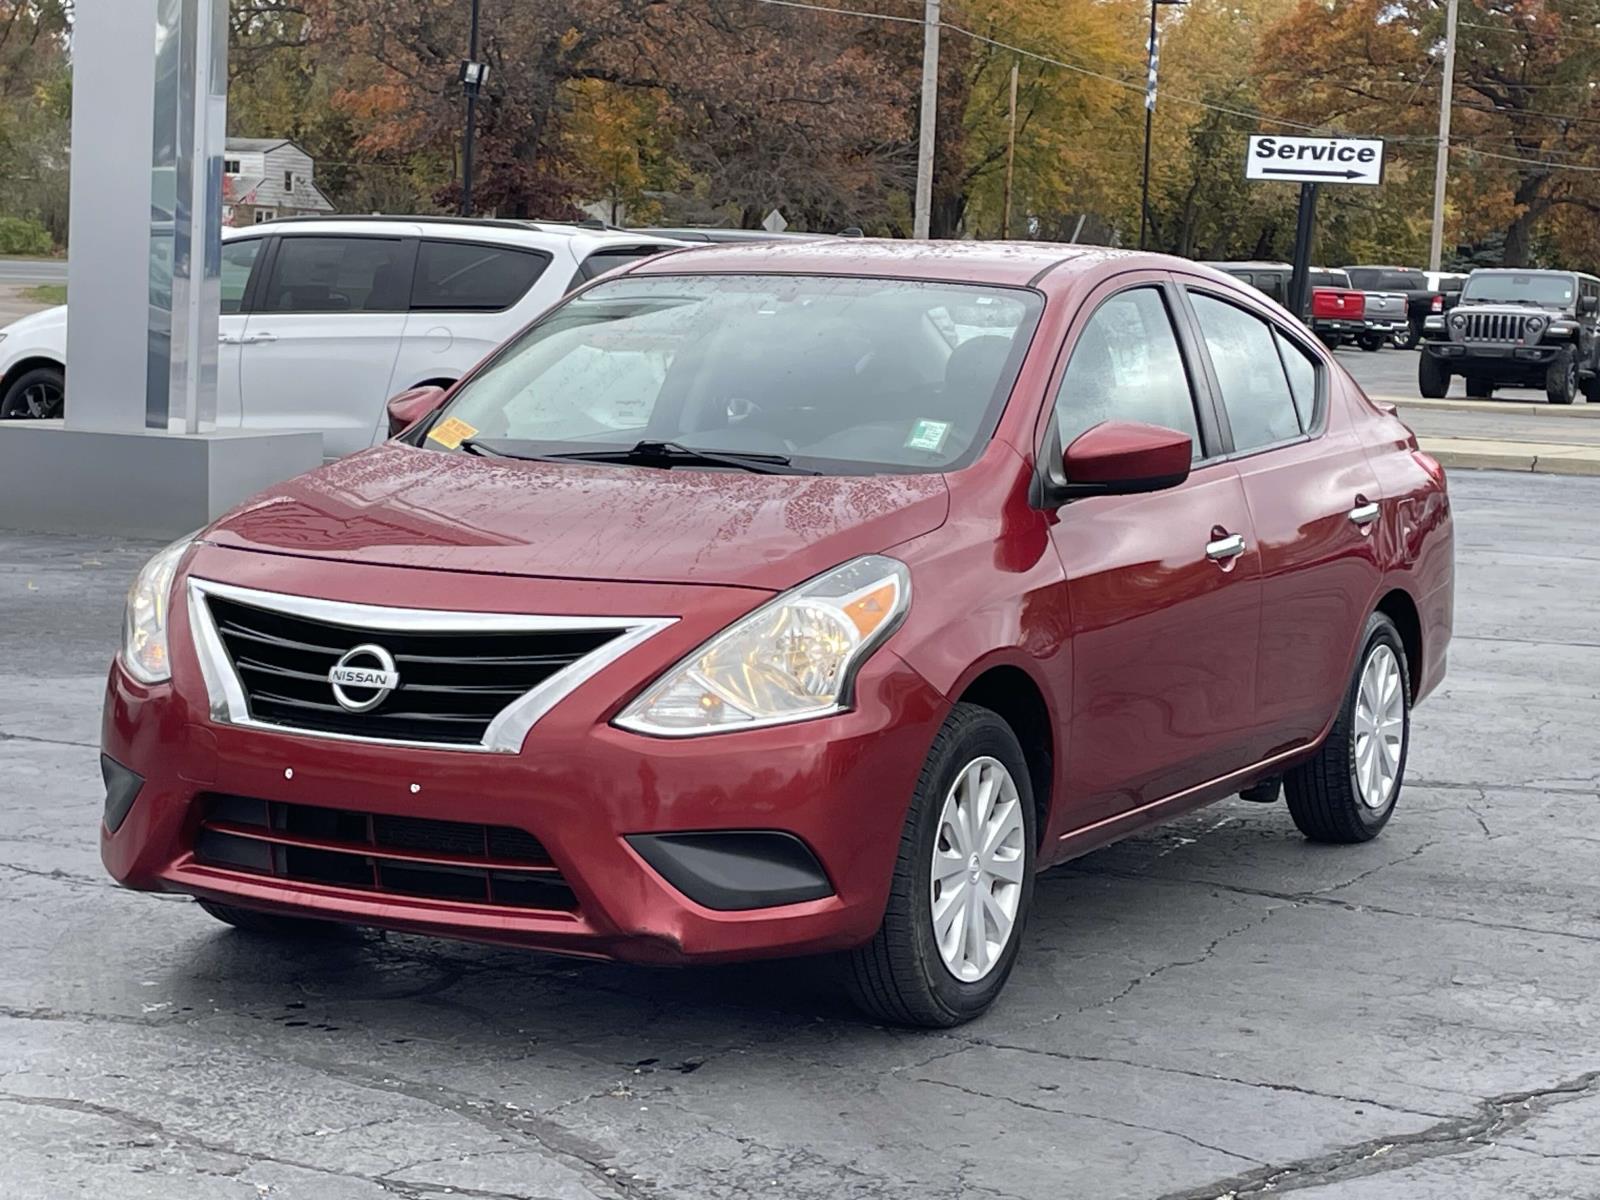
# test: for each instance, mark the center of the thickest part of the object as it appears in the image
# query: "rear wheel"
(38, 394)
(271, 924)
(963, 881)
(1370, 342)
(1347, 792)
(1433, 379)
(1479, 388)
(1561, 380)
(1410, 337)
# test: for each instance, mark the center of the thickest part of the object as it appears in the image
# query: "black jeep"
(1514, 328)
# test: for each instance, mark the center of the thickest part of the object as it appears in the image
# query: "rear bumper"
(834, 790)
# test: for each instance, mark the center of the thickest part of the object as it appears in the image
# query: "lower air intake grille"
(402, 856)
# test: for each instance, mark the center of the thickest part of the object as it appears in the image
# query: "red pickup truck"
(1335, 312)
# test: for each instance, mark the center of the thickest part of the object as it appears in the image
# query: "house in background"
(263, 178)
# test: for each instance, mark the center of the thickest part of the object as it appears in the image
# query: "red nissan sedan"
(775, 600)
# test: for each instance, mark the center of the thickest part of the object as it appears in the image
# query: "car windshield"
(1511, 288)
(1388, 279)
(831, 374)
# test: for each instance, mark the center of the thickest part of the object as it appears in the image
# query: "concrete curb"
(1500, 407)
(1540, 458)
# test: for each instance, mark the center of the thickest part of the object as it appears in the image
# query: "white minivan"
(323, 319)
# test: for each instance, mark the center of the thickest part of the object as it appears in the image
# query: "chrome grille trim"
(505, 734)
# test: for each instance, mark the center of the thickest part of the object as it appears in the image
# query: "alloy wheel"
(38, 401)
(979, 856)
(1380, 728)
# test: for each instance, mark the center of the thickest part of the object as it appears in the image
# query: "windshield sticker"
(927, 435)
(451, 432)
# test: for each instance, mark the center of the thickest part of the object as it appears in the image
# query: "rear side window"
(339, 274)
(1255, 387)
(601, 261)
(473, 276)
(1302, 372)
(1126, 366)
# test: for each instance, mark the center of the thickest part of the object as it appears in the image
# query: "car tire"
(1411, 338)
(37, 394)
(1591, 389)
(1479, 388)
(1370, 342)
(1433, 380)
(1347, 792)
(904, 975)
(273, 925)
(1561, 380)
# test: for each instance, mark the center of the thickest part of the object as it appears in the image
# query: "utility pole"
(473, 75)
(1011, 153)
(1441, 162)
(925, 133)
(1153, 65)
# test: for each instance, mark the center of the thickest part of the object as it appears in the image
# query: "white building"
(264, 178)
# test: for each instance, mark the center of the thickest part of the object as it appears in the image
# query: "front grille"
(452, 685)
(372, 852)
(1494, 327)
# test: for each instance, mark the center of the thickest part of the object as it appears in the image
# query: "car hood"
(398, 505)
(49, 318)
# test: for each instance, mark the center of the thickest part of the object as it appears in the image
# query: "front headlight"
(144, 623)
(794, 658)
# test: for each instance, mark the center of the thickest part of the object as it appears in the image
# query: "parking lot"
(1216, 1008)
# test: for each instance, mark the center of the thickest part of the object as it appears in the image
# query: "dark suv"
(1534, 329)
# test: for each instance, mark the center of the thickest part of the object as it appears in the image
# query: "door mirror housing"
(1588, 305)
(409, 407)
(1125, 458)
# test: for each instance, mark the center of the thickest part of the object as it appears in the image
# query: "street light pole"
(473, 74)
(922, 215)
(1153, 63)
(1441, 162)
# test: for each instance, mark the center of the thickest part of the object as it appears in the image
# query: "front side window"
(839, 375)
(339, 274)
(473, 276)
(238, 260)
(1255, 388)
(1126, 366)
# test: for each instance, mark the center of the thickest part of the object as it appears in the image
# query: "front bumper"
(839, 787)
(1495, 354)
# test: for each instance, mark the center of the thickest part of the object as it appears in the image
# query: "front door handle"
(259, 337)
(1364, 513)
(1227, 547)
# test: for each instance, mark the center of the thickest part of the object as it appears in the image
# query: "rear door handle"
(229, 339)
(1228, 547)
(1365, 513)
(259, 337)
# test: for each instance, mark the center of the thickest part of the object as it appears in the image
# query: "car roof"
(1011, 263)
(709, 233)
(476, 228)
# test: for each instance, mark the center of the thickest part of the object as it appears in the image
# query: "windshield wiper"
(651, 454)
(673, 454)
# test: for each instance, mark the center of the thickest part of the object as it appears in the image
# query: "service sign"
(1314, 159)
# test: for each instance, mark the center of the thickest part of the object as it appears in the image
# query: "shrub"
(24, 235)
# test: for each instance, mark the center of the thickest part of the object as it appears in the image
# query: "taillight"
(1430, 464)
(1438, 304)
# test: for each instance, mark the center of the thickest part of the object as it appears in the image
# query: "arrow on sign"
(1304, 171)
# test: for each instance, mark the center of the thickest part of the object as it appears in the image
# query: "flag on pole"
(1150, 81)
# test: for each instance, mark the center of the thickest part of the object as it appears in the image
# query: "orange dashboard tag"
(451, 432)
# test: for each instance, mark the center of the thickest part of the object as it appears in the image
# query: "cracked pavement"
(1213, 1009)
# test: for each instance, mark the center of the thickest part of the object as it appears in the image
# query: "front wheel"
(39, 394)
(963, 881)
(1347, 792)
(1561, 380)
(1433, 379)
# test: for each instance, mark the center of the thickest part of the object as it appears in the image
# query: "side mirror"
(406, 409)
(1124, 458)
(1588, 305)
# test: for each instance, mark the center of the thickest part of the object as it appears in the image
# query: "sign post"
(1311, 161)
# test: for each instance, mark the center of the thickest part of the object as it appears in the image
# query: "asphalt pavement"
(31, 271)
(1216, 1008)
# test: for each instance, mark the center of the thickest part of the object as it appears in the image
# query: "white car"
(323, 319)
